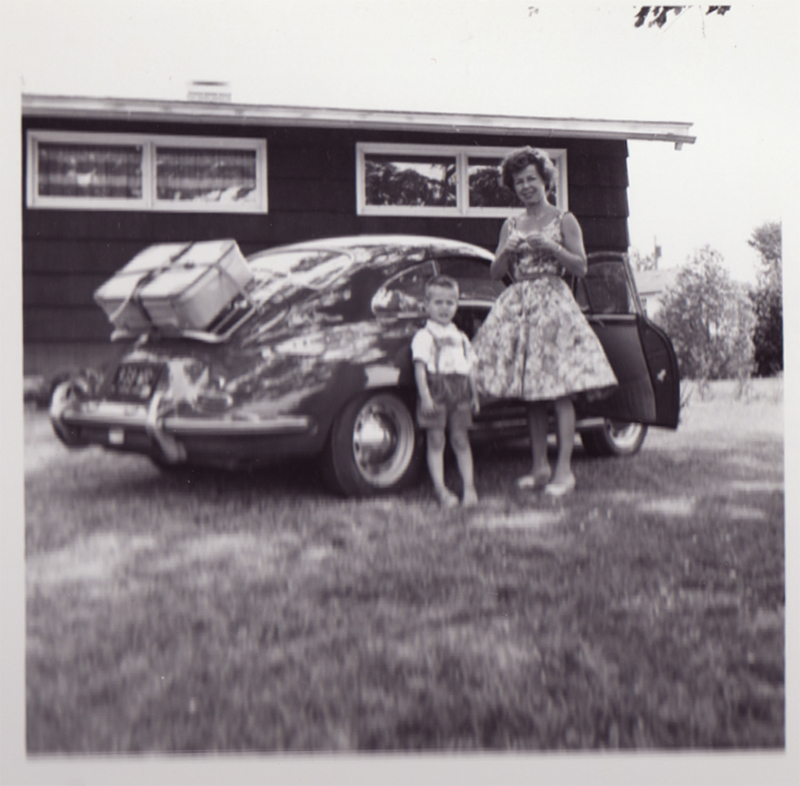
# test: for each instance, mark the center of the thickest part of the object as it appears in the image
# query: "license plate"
(116, 436)
(135, 381)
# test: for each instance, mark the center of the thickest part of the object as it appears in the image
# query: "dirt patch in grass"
(214, 612)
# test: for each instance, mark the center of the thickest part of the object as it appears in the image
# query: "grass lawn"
(204, 611)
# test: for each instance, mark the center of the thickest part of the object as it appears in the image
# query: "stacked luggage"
(178, 288)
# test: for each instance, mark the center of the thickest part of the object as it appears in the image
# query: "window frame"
(149, 201)
(461, 154)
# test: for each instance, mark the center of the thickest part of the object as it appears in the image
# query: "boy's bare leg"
(435, 454)
(459, 439)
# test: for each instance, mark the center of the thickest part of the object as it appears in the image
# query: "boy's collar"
(438, 325)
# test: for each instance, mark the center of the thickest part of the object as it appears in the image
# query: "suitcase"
(197, 287)
(175, 286)
(117, 296)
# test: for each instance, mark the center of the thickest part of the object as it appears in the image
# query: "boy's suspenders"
(436, 348)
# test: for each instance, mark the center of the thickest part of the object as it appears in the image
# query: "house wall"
(311, 185)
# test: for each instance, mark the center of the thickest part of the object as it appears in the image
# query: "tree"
(710, 319)
(659, 14)
(639, 262)
(767, 298)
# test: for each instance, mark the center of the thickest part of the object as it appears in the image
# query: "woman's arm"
(508, 244)
(571, 255)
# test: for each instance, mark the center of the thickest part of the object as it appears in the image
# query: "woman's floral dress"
(535, 344)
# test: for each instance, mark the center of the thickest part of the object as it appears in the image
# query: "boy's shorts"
(453, 398)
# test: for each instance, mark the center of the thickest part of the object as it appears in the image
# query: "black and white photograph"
(396, 391)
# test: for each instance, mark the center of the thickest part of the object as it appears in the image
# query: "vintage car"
(317, 364)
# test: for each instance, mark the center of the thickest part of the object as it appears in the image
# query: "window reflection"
(605, 289)
(427, 181)
(94, 171)
(485, 187)
(473, 276)
(206, 175)
(404, 295)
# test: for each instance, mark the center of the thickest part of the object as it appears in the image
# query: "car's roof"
(439, 245)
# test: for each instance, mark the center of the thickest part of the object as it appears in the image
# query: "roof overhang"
(86, 107)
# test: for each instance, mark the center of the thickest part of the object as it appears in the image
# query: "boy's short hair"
(443, 282)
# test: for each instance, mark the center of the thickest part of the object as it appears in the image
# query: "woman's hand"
(536, 240)
(509, 243)
(515, 240)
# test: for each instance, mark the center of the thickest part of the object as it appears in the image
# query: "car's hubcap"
(624, 435)
(383, 441)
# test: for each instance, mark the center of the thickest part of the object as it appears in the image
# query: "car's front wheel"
(614, 438)
(373, 448)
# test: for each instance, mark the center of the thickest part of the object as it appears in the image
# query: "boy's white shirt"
(456, 355)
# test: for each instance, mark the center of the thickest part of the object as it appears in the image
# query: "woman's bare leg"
(537, 428)
(565, 432)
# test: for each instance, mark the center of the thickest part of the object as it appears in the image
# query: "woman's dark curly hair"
(518, 159)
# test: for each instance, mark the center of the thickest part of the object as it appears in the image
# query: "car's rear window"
(280, 274)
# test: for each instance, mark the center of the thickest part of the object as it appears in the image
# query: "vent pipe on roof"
(215, 92)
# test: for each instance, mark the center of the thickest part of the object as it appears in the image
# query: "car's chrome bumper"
(167, 432)
(128, 416)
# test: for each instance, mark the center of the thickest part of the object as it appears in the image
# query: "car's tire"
(373, 448)
(614, 438)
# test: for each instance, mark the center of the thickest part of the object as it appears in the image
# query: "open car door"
(640, 353)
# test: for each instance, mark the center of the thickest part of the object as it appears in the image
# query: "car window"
(281, 274)
(474, 279)
(604, 290)
(403, 295)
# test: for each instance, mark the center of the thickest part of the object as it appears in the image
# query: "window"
(404, 294)
(474, 279)
(439, 180)
(604, 290)
(136, 172)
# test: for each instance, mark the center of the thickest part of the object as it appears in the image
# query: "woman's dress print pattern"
(535, 344)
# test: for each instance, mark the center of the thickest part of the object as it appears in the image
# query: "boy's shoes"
(560, 489)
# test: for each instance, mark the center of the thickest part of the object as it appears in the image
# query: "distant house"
(651, 285)
(104, 178)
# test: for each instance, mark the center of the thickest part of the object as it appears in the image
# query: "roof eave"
(85, 107)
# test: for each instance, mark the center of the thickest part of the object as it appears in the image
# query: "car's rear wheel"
(373, 448)
(614, 438)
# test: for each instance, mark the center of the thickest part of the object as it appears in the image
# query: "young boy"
(445, 375)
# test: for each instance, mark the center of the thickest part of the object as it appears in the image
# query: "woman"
(535, 344)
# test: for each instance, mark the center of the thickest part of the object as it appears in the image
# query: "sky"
(734, 77)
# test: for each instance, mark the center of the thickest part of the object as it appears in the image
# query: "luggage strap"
(134, 294)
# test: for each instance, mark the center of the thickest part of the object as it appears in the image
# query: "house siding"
(311, 184)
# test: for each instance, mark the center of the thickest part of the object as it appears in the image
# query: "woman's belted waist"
(535, 276)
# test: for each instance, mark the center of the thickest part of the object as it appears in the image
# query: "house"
(105, 177)
(651, 285)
